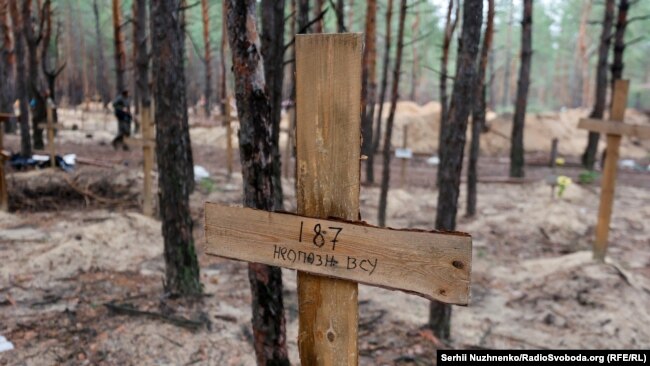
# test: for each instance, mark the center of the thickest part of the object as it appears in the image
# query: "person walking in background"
(122, 109)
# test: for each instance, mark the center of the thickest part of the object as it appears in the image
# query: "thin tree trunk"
(100, 65)
(173, 149)
(415, 28)
(273, 53)
(451, 157)
(369, 88)
(384, 81)
(506, 77)
(142, 52)
(21, 80)
(619, 41)
(340, 16)
(256, 155)
(7, 65)
(222, 55)
(385, 176)
(33, 38)
(598, 111)
(517, 138)
(207, 58)
(318, 8)
(50, 72)
(303, 15)
(450, 26)
(478, 113)
(120, 53)
(577, 84)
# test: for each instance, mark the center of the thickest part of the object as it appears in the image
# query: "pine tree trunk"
(256, 155)
(478, 113)
(120, 53)
(100, 65)
(598, 111)
(415, 30)
(142, 52)
(517, 138)
(505, 102)
(207, 59)
(303, 15)
(222, 54)
(384, 82)
(577, 83)
(21, 80)
(7, 65)
(385, 176)
(451, 152)
(273, 54)
(450, 26)
(340, 17)
(619, 41)
(369, 88)
(318, 7)
(33, 39)
(173, 149)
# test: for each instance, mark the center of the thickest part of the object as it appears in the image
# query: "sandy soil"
(533, 283)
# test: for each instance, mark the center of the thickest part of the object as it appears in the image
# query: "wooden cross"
(614, 128)
(325, 242)
(4, 195)
(227, 118)
(148, 142)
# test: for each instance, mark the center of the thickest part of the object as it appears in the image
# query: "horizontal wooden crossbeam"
(140, 142)
(434, 265)
(615, 128)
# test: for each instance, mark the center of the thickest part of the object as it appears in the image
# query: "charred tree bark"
(256, 154)
(369, 88)
(517, 138)
(450, 26)
(173, 149)
(384, 77)
(142, 52)
(385, 176)
(598, 111)
(340, 17)
(207, 58)
(32, 30)
(100, 64)
(7, 65)
(478, 113)
(273, 54)
(451, 152)
(619, 41)
(303, 15)
(21, 80)
(120, 53)
(222, 54)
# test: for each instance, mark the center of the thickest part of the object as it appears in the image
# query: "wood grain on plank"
(328, 148)
(615, 128)
(432, 264)
(608, 182)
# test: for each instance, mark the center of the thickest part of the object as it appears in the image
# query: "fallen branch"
(126, 309)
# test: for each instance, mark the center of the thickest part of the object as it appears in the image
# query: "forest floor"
(73, 265)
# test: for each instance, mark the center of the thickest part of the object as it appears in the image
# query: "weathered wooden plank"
(608, 181)
(140, 142)
(431, 264)
(328, 144)
(615, 128)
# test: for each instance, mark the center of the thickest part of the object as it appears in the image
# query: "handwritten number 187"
(319, 235)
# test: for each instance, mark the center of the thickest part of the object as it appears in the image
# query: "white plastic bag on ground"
(5, 345)
(200, 173)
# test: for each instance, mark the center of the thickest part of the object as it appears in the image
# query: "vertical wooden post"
(404, 161)
(228, 122)
(608, 182)
(147, 152)
(553, 161)
(50, 132)
(328, 95)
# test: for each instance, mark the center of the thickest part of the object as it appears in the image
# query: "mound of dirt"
(48, 189)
